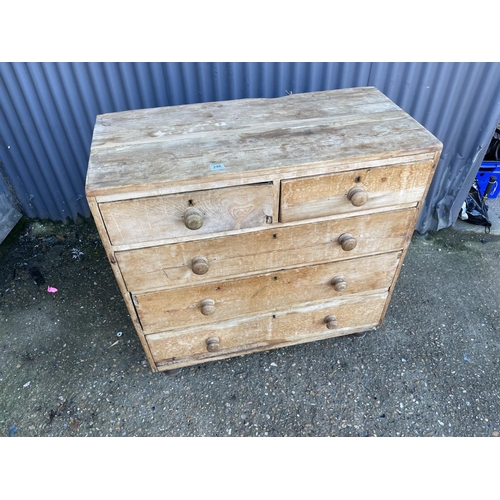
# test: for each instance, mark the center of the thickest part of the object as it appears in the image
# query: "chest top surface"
(232, 140)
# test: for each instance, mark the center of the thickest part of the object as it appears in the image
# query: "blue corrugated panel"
(460, 104)
(47, 113)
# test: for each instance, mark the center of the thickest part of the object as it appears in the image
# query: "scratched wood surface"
(268, 180)
(266, 331)
(162, 217)
(170, 266)
(280, 290)
(163, 123)
(144, 149)
(323, 195)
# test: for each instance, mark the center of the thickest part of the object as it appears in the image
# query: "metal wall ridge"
(48, 110)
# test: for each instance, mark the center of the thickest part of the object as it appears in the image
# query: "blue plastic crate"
(487, 169)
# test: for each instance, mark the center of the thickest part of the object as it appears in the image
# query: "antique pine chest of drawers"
(239, 226)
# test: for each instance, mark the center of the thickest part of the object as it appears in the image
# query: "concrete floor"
(71, 364)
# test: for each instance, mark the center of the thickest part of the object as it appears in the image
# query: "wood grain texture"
(324, 195)
(270, 292)
(275, 175)
(266, 331)
(163, 123)
(150, 219)
(298, 235)
(170, 266)
(142, 150)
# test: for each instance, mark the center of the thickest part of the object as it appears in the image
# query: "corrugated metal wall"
(47, 113)
(460, 104)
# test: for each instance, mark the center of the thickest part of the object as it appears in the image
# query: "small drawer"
(198, 305)
(349, 192)
(266, 331)
(209, 260)
(188, 214)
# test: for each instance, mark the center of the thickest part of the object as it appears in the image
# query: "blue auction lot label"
(217, 166)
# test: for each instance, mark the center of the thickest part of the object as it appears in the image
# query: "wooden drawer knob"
(339, 283)
(199, 265)
(347, 242)
(213, 344)
(331, 322)
(193, 218)
(207, 307)
(357, 196)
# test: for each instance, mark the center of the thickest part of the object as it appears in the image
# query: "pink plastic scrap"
(51, 289)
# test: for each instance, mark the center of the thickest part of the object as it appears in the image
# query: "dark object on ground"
(37, 275)
(474, 209)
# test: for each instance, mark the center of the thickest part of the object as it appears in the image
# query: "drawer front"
(349, 192)
(198, 305)
(188, 214)
(224, 257)
(266, 331)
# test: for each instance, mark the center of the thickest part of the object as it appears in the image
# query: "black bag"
(474, 209)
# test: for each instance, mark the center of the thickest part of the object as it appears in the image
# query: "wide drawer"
(270, 292)
(188, 214)
(267, 331)
(349, 192)
(219, 258)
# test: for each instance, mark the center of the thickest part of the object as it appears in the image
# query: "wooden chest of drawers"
(238, 226)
